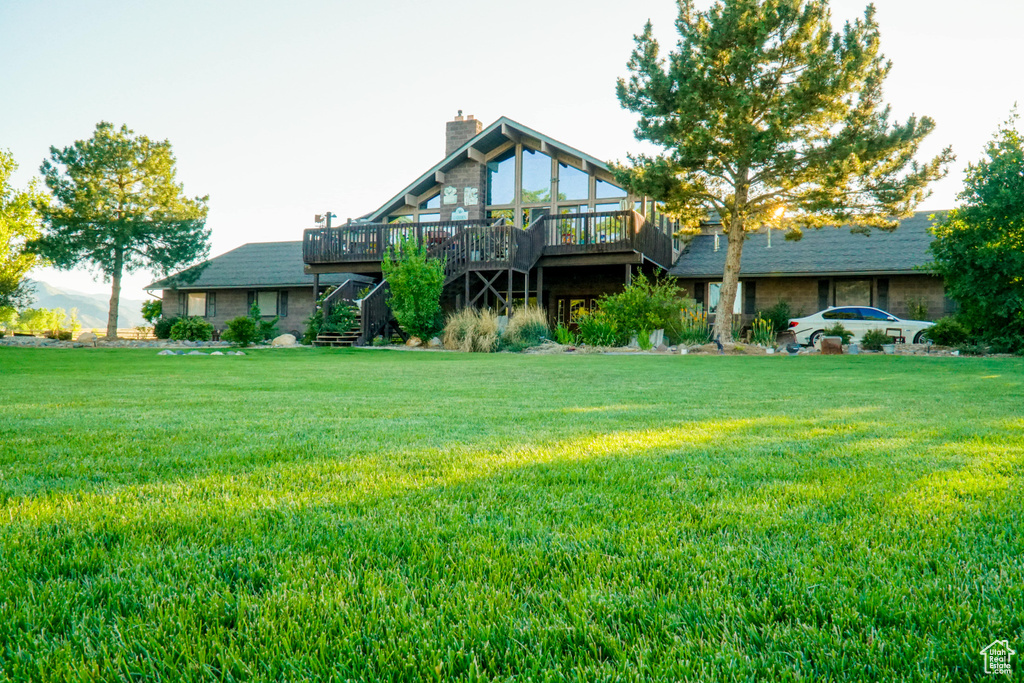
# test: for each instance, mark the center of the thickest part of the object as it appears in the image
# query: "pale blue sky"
(280, 110)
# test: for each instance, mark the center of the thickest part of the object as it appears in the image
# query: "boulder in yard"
(414, 342)
(832, 346)
(166, 352)
(434, 343)
(87, 338)
(284, 340)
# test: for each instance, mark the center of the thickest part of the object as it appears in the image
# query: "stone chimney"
(460, 131)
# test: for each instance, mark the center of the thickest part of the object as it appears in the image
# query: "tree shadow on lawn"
(743, 547)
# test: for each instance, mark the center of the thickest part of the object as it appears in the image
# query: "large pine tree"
(119, 209)
(769, 117)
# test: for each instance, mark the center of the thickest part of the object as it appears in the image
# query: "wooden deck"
(488, 245)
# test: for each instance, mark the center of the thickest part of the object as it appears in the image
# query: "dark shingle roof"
(258, 264)
(828, 251)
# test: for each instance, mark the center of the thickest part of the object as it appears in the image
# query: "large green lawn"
(377, 515)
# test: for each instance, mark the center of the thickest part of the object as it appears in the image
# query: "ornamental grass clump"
(470, 330)
(527, 327)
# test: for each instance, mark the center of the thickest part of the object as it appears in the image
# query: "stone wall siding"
(232, 303)
(802, 293)
(467, 174)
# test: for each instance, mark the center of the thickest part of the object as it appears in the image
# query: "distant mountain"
(92, 308)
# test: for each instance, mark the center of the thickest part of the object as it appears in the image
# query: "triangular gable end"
(477, 149)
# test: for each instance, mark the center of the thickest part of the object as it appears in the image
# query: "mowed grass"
(377, 515)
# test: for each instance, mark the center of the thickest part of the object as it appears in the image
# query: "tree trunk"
(115, 295)
(730, 279)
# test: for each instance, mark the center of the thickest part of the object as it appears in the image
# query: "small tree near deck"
(416, 282)
(119, 209)
(769, 117)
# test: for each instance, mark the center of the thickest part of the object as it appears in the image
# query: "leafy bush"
(191, 329)
(693, 329)
(762, 332)
(527, 327)
(243, 331)
(471, 330)
(838, 330)
(267, 328)
(643, 305)
(162, 327)
(972, 349)
(64, 335)
(416, 283)
(778, 315)
(874, 339)
(597, 328)
(947, 331)
(48, 320)
(152, 310)
(564, 336)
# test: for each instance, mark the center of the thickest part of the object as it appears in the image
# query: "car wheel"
(815, 336)
(919, 337)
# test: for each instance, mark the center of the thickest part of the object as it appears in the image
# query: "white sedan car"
(858, 320)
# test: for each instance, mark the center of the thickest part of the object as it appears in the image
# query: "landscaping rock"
(657, 338)
(434, 343)
(662, 348)
(195, 353)
(87, 338)
(217, 353)
(239, 353)
(414, 342)
(283, 340)
(166, 352)
(832, 346)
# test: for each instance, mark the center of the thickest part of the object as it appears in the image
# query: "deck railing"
(361, 242)
(486, 245)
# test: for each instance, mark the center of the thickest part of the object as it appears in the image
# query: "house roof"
(825, 251)
(257, 264)
(485, 141)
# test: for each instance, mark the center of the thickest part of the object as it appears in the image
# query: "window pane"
(607, 207)
(400, 219)
(536, 177)
(508, 214)
(432, 203)
(501, 179)
(197, 303)
(715, 292)
(267, 302)
(853, 292)
(605, 190)
(429, 217)
(842, 314)
(572, 183)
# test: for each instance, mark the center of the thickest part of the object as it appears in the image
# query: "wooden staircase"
(341, 339)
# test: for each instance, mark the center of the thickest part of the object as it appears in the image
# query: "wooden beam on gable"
(475, 155)
(439, 177)
(511, 133)
(548, 149)
(410, 200)
(586, 166)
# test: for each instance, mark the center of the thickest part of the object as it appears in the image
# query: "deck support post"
(526, 288)
(467, 289)
(508, 301)
(316, 289)
(540, 286)
(629, 274)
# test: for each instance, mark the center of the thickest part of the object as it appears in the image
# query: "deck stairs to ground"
(341, 339)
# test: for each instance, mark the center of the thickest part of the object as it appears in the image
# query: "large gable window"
(606, 190)
(432, 203)
(536, 177)
(573, 184)
(501, 179)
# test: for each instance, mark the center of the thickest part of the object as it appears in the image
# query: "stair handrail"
(376, 313)
(346, 291)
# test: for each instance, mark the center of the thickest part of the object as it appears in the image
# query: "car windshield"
(841, 314)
